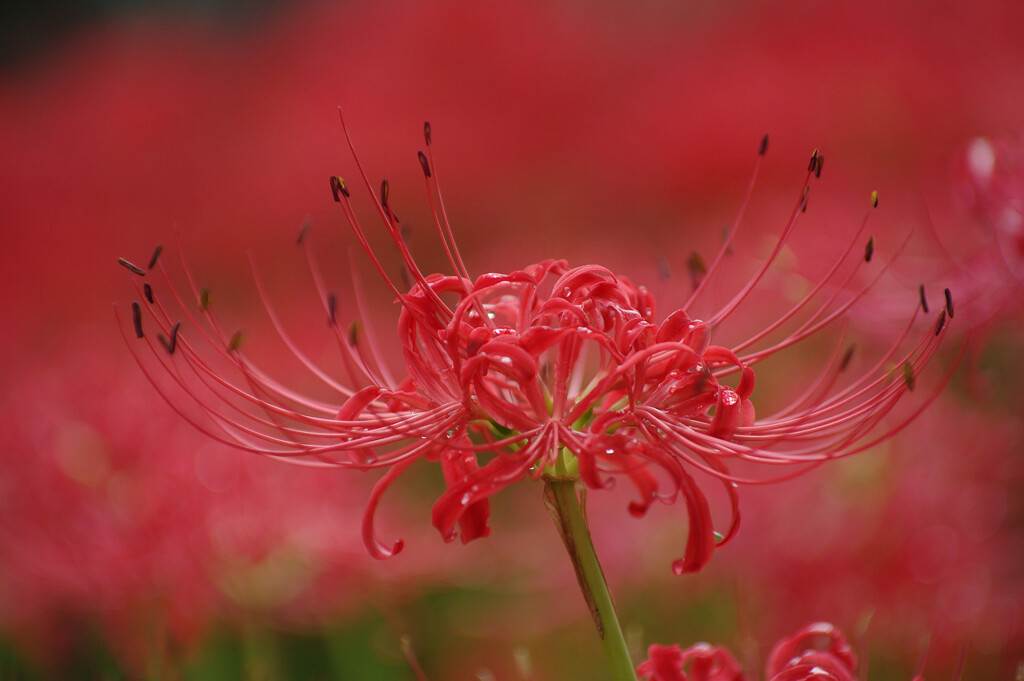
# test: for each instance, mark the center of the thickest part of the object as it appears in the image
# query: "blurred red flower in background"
(116, 515)
(817, 652)
(993, 188)
(706, 663)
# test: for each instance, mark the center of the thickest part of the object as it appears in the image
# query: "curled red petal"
(376, 548)
(705, 663)
(732, 490)
(663, 663)
(818, 644)
(700, 541)
(712, 663)
(728, 413)
(589, 473)
(456, 466)
(450, 508)
(820, 670)
(357, 403)
(647, 484)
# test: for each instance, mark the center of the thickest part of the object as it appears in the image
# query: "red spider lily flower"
(706, 663)
(993, 184)
(817, 652)
(550, 370)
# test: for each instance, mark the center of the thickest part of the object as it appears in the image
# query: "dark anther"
(426, 132)
(869, 250)
(156, 256)
(174, 337)
(698, 270)
(817, 169)
(908, 376)
(304, 230)
(847, 356)
(147, 290)
(133, 268)
(353, 333)
(941, 323)
(204, 298)
(874, 199)
(332, 306)
(384, 192)
(423, 163)
(664, 271)
(814, 162)
(339, 188)
(949, 303)
(764, 145)
(235, 341)
(170, 345)
(137, 318)
(924, 301)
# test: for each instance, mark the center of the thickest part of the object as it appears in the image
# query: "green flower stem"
(567, 511)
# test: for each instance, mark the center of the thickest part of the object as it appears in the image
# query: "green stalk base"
(567, 510)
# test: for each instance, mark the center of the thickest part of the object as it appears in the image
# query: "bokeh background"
(130, 547)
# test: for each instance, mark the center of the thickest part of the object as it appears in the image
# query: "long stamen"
(791, 223)
(548, 368)
(727, 244)
(386, 216)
